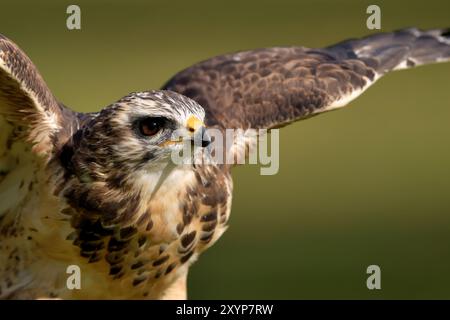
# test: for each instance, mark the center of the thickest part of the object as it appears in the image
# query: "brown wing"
(268, 88)
(28, 110)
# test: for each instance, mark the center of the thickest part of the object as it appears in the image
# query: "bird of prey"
(94, 190)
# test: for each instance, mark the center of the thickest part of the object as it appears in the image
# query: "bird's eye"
(151, 126)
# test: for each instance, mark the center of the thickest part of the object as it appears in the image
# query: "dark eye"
(151, 126)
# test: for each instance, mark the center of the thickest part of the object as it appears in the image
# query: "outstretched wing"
(269, 88)
(32, 126)
(28, 110)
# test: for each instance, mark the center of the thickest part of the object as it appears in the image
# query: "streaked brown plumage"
(92, 190)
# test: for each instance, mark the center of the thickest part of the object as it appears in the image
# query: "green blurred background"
(364, 185)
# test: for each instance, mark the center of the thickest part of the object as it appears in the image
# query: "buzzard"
(99, 191)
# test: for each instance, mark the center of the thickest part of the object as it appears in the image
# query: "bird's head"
(123, 153)
(136, 135)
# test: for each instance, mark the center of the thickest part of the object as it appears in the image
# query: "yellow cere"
(193, 123)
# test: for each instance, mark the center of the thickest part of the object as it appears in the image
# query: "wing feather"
(27, 106)
(33, 126)
(272, 87)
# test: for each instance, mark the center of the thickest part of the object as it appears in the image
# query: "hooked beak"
(197, 130)
(197, 134)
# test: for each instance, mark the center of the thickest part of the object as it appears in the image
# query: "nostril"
(191, 129)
